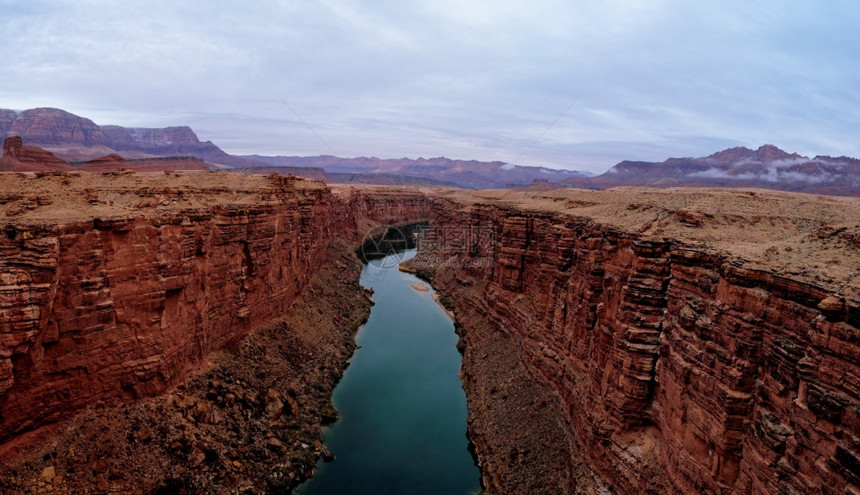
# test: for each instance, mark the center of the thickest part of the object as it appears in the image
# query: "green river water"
(402, 426)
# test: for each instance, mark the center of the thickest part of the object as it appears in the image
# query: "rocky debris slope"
(630, 340)
(698, 341)
(516, 424)
(116, 286)
(249, 420)
(102, 302)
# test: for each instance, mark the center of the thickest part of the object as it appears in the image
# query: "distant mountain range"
(767, 167)
(78, 139)
(463, 173)
(92, 147)
(75, 138)
(20, 158)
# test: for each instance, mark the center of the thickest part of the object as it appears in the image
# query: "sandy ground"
(28, 198)
(811, 238)
(807, 237)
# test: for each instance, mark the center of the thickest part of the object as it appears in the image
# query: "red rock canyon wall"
(680, 371)
(677, 369)
(117, 307)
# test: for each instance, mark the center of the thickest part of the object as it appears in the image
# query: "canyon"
(116, 286)
(628, 340)
(698, 341)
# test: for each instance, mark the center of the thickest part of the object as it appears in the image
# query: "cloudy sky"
(590, 83)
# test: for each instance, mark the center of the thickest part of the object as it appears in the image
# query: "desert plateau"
(338, 247)
(186, 328)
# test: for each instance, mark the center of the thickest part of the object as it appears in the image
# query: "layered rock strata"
(19, 158)
(249, 420)
(629, 341)
(681, 366)
(118, 285)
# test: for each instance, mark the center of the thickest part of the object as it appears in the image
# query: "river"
(402, 426)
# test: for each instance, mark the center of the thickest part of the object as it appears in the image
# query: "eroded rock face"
(127, 286)
(75, 137)
(19, 158)
(597, 358)
(52, 125)
(680, 371)
(55, 126)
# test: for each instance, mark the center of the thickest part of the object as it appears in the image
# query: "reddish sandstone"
(684, 341)
(691, 361)
(20, 158)
(117, 285)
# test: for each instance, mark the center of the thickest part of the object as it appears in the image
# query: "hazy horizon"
(465, 80)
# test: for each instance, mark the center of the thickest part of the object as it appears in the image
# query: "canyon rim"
(642, 218)
(182, 331)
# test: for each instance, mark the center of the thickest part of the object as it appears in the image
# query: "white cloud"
(474, 79)
(777, 171)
